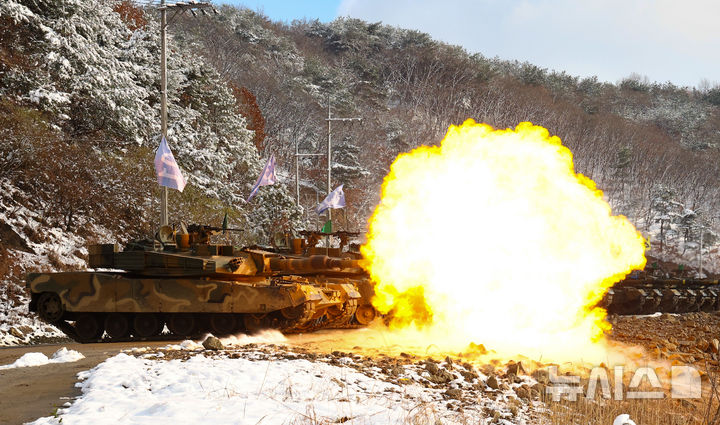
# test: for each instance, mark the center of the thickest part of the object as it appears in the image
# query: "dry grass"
(666, 411)
(643, 412)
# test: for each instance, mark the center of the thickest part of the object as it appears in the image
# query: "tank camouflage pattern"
(663, 287)
(185, 283)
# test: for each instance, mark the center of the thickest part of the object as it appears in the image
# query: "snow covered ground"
(275, 384)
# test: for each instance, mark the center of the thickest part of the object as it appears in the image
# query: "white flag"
(167, 170)
(267, 177)
(335, 199)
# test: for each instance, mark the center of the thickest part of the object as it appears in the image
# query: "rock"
(431, 367)
(479, 386)
(542, 376)
(540, 388)
(670, 346)
(442, 377)
(522, 393)
(449, 362)
(212, 343)
(26, 330)
(468, 375)
(715, 345)
(669, 318)
(16, 332)
(453, 393)
(492, 382)
(515, 368)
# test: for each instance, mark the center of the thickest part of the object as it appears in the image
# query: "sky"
(664, 40)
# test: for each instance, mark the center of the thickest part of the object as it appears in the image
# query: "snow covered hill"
(79, 122)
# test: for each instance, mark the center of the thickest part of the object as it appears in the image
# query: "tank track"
(273, 320)
(305, 319)
(648, 296)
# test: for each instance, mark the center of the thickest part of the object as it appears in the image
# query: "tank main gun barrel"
(314, 263)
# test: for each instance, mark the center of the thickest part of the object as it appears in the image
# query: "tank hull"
(112, 302)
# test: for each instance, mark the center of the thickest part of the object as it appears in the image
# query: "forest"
(79, 124)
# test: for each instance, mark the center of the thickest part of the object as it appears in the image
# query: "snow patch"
(62, 355)
(250, 389)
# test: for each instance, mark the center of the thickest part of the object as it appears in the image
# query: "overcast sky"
(665, 40)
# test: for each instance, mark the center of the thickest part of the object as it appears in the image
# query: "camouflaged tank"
(191, 286)
(664, 287)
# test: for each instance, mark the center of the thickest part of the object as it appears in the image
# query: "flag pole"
(178, 7)
(163, 102)
(329, 171)
(330, 119)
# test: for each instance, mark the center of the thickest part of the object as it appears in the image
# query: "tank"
(664, 287)
(293, 252)
(181, 281)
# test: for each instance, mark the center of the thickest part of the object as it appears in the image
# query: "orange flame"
(493, 238)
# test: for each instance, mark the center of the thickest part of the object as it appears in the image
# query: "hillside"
(79, 123)
(651, 148)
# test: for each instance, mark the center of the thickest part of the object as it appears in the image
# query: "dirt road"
(28, 393)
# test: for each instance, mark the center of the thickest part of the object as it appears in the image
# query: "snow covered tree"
(346, 166)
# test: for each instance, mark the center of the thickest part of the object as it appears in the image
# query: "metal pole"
(329, 154)
(163, 102)
(701, 253)
(329, 159)
(329, 187)
(297, 173)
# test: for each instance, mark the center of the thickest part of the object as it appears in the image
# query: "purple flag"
(335, 199)
(167, 170)
(266, 178)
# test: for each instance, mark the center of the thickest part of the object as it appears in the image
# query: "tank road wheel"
(88, 327)
(147, 324)
(365, 314)
(117, 325)
(295, 313)
(340, 315)
(50, 307)
(182, 324)
(223, 324)
(254, 322)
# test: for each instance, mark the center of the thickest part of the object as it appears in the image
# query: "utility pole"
(329, 120)
(179, 7)
(297, 168)
(699, 273)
